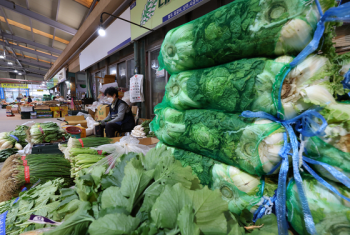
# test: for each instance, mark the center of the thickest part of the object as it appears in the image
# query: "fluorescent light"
(15, 71)
(2, 57)
(9, 63)
(101, 31)
(19, 73)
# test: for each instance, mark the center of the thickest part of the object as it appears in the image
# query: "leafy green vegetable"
(252, 145)
(46, 132)
(4, 154)
(241, 29)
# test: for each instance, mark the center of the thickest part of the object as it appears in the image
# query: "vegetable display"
(46, 133)
(87, 142)
(18, 171)
(329, 211)
(15, 139)
(143, 130)
(241, 29)
(42, 200)
(165, 199)
(251, 145)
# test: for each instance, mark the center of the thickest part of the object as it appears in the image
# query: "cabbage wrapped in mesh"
(253, 145)
(239, 189)
(241, 29)
(329, 211)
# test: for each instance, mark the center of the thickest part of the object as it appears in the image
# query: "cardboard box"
(92, 113)
(63, 108)
(107, 79)
(42, 107)
(64, 113)
(83, 130)
(144, 141)
(102, 112)
(8, 107)
(55, 109)
(56, 114)
(75, 120)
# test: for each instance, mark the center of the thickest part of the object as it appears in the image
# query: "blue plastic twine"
(14, 137)
(305, 127)
(346, 81)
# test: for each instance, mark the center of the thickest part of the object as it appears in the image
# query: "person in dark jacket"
(120, 118)
(30, 99)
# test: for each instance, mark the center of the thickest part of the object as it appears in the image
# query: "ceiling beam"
(29, 42)
(26, 49)
(30, 62)
(27, 74)
(54, 30)
(87, 32)
(21, 10)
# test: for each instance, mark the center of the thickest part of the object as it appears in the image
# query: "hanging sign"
(14, 85)
(136, 88)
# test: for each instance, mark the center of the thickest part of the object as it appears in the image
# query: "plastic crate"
(3, 106)
(46, 149)
(25, 115)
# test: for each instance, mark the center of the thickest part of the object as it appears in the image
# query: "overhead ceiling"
(33, 33)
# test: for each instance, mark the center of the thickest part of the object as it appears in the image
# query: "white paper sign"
(136, 88)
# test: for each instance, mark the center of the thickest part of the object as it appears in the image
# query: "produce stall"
(252, 137)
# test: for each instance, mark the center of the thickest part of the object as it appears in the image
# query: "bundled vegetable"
(241, 29)
(46, 133)
(14, 139)
(41, 201)
(6, 153)
(18, 171)
(142, 130)
(329, 211)
(252, 145)
(87, 142)
(82, 161)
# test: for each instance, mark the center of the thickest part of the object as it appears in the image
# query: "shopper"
(30, 99)
(120, 118)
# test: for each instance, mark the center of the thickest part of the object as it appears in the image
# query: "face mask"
(110, 99)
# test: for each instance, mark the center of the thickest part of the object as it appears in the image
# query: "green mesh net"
(239, 189)
(319, 150)
(241, 29)
(241, 85)
(250, 144)
(330, 212)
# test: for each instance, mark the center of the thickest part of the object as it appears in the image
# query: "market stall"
(252, 138)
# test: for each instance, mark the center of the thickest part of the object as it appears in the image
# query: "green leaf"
(112, 197)
(113, 210)
(269, 227)
(115, 179)
(97, 173)
(135, 181)
(168, 205)
(114, 224)
(186, 222)
(209, 210)
(151, 160)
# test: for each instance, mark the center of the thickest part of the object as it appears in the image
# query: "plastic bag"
(126, 98)
(26, 150)
(126, 145)
(241, 29)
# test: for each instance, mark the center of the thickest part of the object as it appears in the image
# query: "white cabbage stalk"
(345, 68)
(269, 148)
(306, 85)
(284, 59)
(295, 34)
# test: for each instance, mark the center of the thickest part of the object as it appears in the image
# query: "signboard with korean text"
(14, 85)
(155, 13)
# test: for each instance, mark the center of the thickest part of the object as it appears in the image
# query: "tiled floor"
(9, 123)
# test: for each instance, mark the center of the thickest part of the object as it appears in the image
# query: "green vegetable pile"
(147, 129)
(152, 194)
(46, 133)
(42, 200)
(241, 29)
(4, 154)
(251, 145)
(15, 139)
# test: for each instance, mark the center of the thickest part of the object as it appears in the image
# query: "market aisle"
(9, 123)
